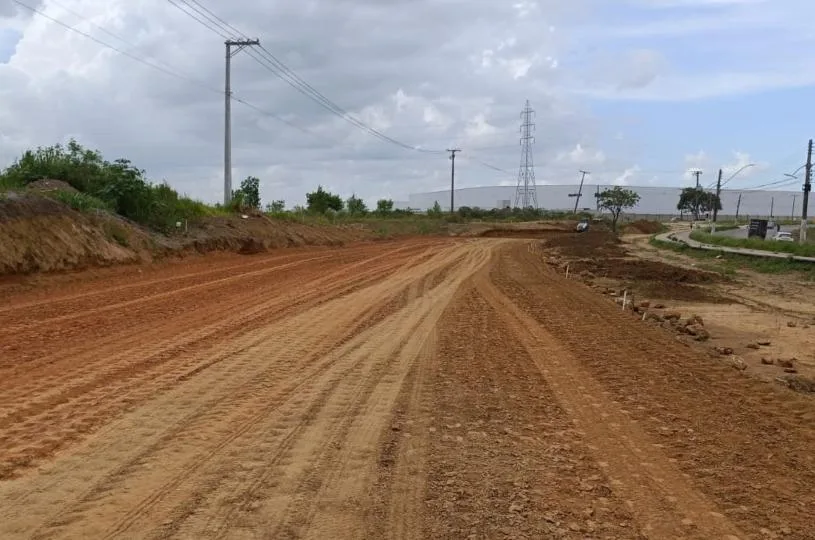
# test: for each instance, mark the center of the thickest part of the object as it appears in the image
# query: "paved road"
(741, 232)
(684, 237)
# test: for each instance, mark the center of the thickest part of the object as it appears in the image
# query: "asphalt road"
(742, 232)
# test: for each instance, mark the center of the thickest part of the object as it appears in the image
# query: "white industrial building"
(654, 200)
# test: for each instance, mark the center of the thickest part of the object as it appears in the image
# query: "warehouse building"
(654, 200)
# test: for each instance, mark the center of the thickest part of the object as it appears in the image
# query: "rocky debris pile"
(798, 383)
(693, 326)
(788, 364)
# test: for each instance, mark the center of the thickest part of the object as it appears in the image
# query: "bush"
(79, 201)
(116, 185)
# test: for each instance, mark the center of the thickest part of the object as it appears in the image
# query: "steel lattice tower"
(526, 194)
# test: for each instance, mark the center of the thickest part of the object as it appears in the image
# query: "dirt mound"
(592, 243)
(523, 233)
(47, 184)
(39, 234)
(643, 270)
(643, 226)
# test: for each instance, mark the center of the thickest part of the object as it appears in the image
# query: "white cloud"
(625, 178)
(582, 157)
(406, 79)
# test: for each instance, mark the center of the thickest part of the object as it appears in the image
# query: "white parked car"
(783, 236)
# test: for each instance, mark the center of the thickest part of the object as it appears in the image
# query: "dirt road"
(414, 389)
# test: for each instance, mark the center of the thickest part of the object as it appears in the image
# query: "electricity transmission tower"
(526, 192)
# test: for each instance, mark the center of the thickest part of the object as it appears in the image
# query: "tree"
(276, 207)
(250, 188)
(384, 206)
(698, 201)
(321, 201)
(615, 200)
(435, 211)
(356, 206)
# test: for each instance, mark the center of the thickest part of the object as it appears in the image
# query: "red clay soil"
(430, 388)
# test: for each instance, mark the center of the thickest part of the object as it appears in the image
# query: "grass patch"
(730, 263)
(793, 248)
(721, 227)
(81, 202)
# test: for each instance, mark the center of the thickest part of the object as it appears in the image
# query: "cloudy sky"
(635, 91)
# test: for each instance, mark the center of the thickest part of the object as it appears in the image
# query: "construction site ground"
(421, 388)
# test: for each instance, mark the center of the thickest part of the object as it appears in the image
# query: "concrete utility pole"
(792, 215)
(807, 189)
(716, 206)
(240, 44)
(772, 206)
(738, 205)
(579, 190)
(453, 177)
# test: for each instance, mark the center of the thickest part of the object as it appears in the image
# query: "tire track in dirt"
(742, 443)
(234, 388)
(665, 504)
(124, 382)
(344, 475)
(109, 317)
(287, 502)
(501, 459)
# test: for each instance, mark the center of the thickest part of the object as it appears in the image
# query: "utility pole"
(240, 44)
(579, 190)
(716, 202)
(738, 205)
(772, 206)
(697, 173)
(807, 188)
(792, 215)
(453, 177)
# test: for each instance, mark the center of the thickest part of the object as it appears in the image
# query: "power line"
(269, 61)
(148, 63)
(163, 67)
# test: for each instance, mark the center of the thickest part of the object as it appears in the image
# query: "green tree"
(615, 200)
(384, 206)
(698, 201)
(321, 201)
(276, 207)
(250, 192)
(356, 206)
(435, 211)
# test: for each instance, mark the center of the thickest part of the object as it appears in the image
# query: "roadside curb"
(684, 239)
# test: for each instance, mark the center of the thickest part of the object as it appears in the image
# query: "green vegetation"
(356, 206)
(721, 227)
(698, 201)
(102, 184)
(247, 196)
(615, 200)
(793, 248)
(730, 263)
(120, 187)
(79, 201)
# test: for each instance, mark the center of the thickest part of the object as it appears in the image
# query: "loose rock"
(737, 363)
(753, 346)
(694, 320)
(767, 361)
(788, 363)
(724, 351)
(764, 342)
